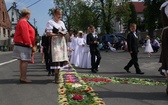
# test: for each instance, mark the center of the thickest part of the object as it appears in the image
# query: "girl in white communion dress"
(148, 47)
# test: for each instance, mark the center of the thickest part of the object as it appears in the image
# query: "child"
(74, 48)
(80, 49)
(124, 45)
(69, 44)
(148, 47)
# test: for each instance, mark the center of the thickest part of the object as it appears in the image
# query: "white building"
(14, 16)
(139, 7)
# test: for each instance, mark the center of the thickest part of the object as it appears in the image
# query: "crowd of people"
(78, 50)
(57, 50)
(61, 48)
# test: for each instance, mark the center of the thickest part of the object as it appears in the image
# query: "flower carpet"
(92, 80)
(75, 88)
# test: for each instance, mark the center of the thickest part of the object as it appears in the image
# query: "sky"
(39, 11)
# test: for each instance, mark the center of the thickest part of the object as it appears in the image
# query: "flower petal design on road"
(74, 91)
(92, 80)
(75, 88)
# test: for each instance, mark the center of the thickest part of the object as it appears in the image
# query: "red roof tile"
(139, 6)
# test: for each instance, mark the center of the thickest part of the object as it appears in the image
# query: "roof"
(139, 6)
(13, 8)
(4, 16)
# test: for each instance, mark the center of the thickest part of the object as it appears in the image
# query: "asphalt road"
(42, 91)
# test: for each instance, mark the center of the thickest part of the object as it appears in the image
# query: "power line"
(20, 1)
(33, 4)
(28, 2)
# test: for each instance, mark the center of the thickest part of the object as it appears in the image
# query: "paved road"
(125, 94)
(44, 92)
(41, 92)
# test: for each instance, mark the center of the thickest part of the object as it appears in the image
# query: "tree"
(77, 14)
(107, 13)
(123, 14)
(67, 6)
(133, 15)
(85, 15)
(152, 15)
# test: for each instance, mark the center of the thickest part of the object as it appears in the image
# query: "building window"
(12, 19)
(4, 32)
(13, 27)
(3, 14)
(8, 33)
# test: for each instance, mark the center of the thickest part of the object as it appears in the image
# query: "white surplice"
(80, 51)
(74, 48)
(86, 55)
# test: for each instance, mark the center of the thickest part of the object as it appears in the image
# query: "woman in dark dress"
(164, 41)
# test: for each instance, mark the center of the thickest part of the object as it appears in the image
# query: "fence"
(4, 45)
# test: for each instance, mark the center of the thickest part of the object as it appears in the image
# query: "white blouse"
(51, 23)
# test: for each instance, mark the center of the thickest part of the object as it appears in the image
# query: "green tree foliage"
(107, 9)
(152, 15)
(133, 15)
(78, 14)
(124, 15)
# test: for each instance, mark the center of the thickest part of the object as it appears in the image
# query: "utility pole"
(35, 22)
(14, 4)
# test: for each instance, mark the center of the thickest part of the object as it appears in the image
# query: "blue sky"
(39, 11)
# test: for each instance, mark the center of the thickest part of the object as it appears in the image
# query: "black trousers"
(47, 59)
(155, 48)
(95, 58)
(47, 62)
(133, 61)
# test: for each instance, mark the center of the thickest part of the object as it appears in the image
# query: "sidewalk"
(5, 52)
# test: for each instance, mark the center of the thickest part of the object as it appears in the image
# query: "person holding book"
(58, 51)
